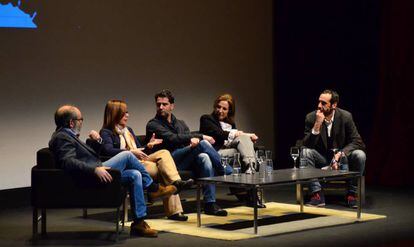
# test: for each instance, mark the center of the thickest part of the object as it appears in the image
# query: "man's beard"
(328, 112)
(77, 128)
(162, 114)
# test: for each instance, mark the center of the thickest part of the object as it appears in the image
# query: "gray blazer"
(72, 154)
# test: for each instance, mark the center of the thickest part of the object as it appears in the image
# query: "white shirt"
(227, 127)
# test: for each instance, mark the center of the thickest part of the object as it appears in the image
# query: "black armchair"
(53, 187)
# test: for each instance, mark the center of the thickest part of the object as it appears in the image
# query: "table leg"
(359, 198)
(35, 223)
(300, 196)
(255, 209)
(198, 205)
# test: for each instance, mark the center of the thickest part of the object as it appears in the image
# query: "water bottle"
(236, 165)
(302, 160)
(269, 166)
(269, 162)
(262, 168)
(343, 163)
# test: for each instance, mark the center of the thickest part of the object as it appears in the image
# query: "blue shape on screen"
(13, 16)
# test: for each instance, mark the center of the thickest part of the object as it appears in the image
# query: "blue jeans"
(356, 162)
(204, 161)
(134, 175)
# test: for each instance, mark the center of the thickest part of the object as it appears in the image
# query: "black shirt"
(175, 135)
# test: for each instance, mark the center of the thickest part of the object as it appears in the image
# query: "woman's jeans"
(133, 174)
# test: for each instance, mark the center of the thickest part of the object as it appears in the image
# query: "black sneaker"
(317, 200)
(212, 208)
(351, 200)
(178, 217)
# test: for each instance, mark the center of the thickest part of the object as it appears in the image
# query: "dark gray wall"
(87, 52)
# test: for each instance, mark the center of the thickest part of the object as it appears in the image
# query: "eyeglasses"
(78, 119)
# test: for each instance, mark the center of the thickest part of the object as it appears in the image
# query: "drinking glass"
(224, 163)
(260, 154)
(268, 155)
(294, 152)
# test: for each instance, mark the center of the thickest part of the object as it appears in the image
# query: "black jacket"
(72, 154)
(344, 132)
(210, 125)
(174, 135)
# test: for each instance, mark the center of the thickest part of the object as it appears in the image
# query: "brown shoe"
(141, 228)
(163, 191)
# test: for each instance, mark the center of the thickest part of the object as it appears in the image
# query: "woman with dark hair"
(118, 137)
(221, 126)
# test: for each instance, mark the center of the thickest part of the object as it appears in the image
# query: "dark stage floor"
(68, 228)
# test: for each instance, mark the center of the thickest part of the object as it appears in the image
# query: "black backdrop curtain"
(391, 148)
(362, 49)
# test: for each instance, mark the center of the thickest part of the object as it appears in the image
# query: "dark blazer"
(344, 132)
(174, 135)
(210, 125)
(111, 143)
(72, 154)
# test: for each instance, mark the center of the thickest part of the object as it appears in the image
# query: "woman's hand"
(238, 133)
(254, 137)
(153, 141)
(139, 154)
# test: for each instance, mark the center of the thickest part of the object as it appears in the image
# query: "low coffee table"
(277, 177)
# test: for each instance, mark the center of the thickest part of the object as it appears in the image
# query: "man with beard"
(190, 151)
(330, 133)
(74, 155)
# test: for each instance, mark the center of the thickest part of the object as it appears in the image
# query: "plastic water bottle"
(343, 163)
(262, 168)
(302, 160)
(269, 166)
(236, 165)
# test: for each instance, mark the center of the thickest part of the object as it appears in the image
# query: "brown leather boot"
(141, 228)
(163, 191)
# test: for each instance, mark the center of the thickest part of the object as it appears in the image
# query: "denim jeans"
(204, 161)
(134, 175)
(356, 161)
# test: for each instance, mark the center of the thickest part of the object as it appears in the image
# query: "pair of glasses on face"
(78, 119)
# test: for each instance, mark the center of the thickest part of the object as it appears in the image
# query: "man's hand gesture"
(153, 141)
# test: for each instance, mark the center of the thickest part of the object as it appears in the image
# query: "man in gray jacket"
(331, 134)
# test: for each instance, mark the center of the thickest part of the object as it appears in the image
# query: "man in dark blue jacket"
(74, 155)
